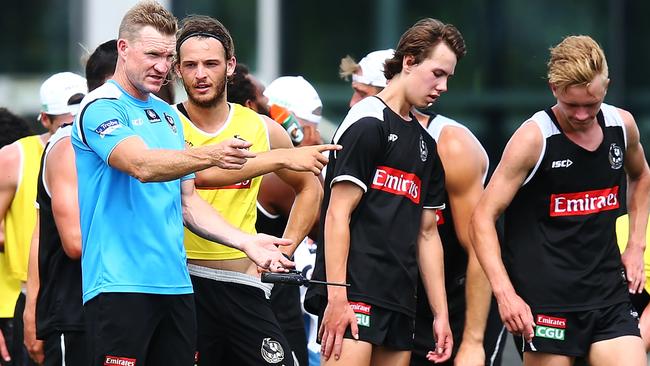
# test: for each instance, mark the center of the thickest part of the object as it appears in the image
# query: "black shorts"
(236, 326)
(285, 303)
(494, 338)
(380, 326)
(572, 333)
(145, 329)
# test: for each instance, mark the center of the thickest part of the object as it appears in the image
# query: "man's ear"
(408, 62)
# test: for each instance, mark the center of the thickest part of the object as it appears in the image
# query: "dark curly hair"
(418, 41)
(240, 87)
(12, 127)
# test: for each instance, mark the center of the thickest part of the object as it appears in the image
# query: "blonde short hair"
(147, 13)
(348, 67)
(577, 60)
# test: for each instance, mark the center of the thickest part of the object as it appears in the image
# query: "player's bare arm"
(202, 219)
(338, 315)
(282, 156)
(638, 199)
(61, 178)
(34, 347)
(133, 157)
(519, 157)
(465, 166)
(9, 170)
(431, 264)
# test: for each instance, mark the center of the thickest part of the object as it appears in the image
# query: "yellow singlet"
(9, 290)
(21, 216)
(622, 229)
(236, 203)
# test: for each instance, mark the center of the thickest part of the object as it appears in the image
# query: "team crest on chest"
(152, 115)
(424, 152)
(615, 156)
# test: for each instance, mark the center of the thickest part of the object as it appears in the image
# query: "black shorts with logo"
(380, 326)
(236, 326)
(572, 333)
(141, 329)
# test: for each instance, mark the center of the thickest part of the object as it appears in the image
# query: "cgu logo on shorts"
(550, 327)
(362, 311)
(397, 182)
(120, 361)
(584, 203)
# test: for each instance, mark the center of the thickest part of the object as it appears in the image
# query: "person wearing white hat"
(367, 76)
(60, 95)
(298, 96)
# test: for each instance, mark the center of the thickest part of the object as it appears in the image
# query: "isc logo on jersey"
(397, 182)
(584, 203)
(561, 163)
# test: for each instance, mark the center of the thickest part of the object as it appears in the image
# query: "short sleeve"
(362, 145)
(435, 196)
(103, 126)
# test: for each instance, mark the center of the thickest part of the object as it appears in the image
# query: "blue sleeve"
(103, 126)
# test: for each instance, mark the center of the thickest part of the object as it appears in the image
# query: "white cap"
(297, 95)
(372, 68)
(57, 90)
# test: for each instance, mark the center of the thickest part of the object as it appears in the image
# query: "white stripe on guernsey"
(613, 118)
(547, 128)
(349, 178)
(368, 107)
(440, 207)
(439, 122)
(60, 134)
(265, 212)
(495, 353)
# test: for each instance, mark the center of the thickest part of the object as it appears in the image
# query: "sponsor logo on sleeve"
(397, 182)
(584, 203)
(615, 156)
(362, 311)
(152, 115)
(120, 361)
(550, 327)
(107, 127)
(272, 351)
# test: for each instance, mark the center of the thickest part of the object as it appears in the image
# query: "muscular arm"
(465, 166)
(9, 170)
(61, 178)
(200, 218)
(638, 198)
(518, 159)
(307, 188)
(281, 156)
(133, 157)
(431, 263)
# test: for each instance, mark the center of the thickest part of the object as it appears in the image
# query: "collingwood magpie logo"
(424, 152)
(615, 156)
(152, 116)
(272, 351)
